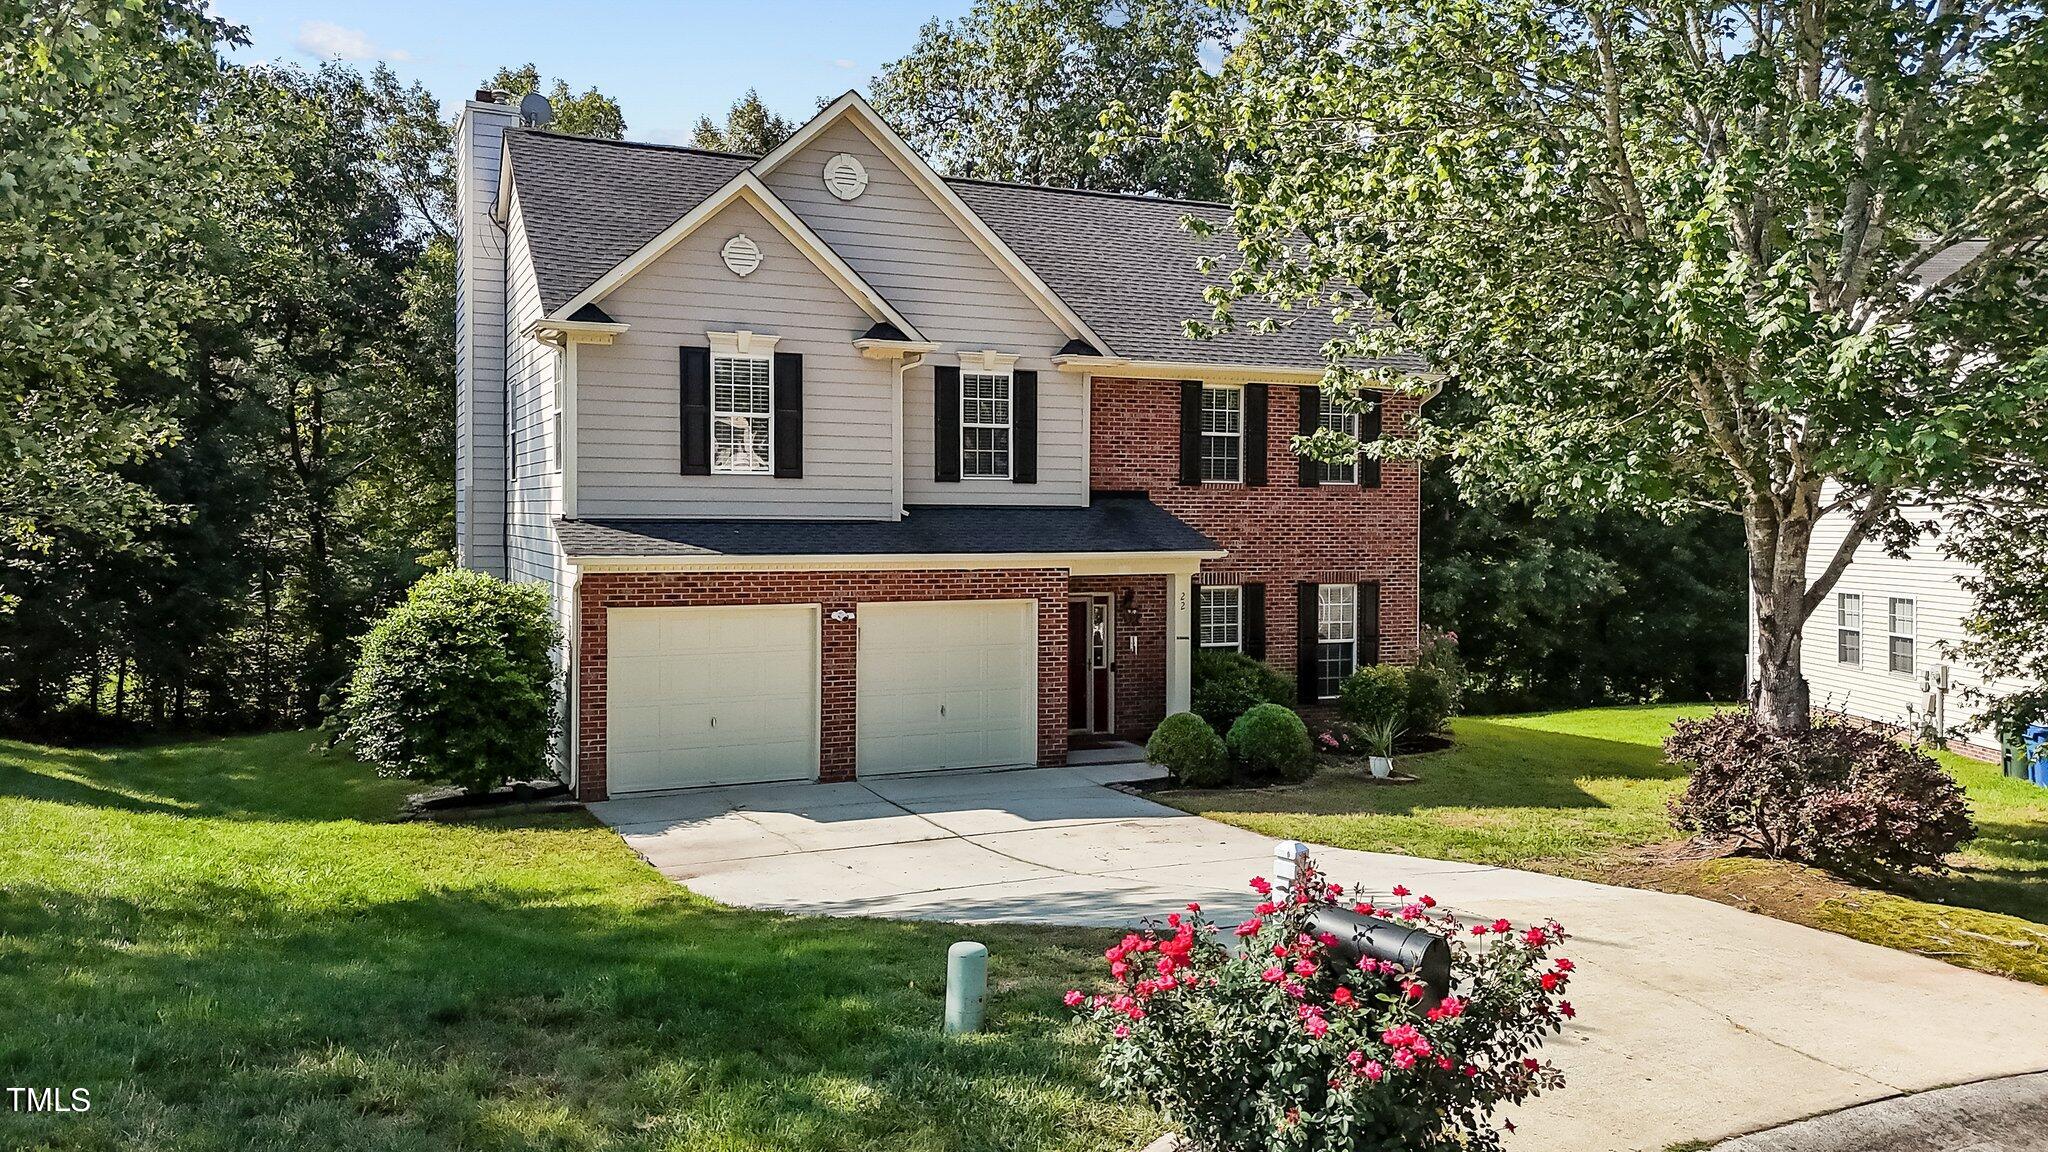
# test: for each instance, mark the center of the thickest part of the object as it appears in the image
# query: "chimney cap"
(486, 96)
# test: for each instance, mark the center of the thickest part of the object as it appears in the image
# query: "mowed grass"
(1586, 793)
(231, 946)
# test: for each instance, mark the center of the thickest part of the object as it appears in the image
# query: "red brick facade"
(1279, 532)
(601, 591)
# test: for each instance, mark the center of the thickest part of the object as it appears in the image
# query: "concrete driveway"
(1696, 1021)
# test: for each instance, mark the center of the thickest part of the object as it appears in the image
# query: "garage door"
(711, 696)
(947, 684)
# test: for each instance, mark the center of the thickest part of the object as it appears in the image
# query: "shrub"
(1229, 684)
(1850, 799)
(457, 685)
(1270, 740)
(1429, 702)
(1373, 694)
(1281, 1043)
(1186, 746)
(1439, 656)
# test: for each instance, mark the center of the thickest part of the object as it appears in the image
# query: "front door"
(1090, 648)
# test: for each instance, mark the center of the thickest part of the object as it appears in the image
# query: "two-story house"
(837, 467)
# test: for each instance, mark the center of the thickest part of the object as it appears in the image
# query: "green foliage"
(457, 685)
(750, 128)
(2003, 535)
(1374, 693)
(1226, 685)
(1429, 701)
(1270, 742)
(1186, 746)
(588, 113)
(1017, 90)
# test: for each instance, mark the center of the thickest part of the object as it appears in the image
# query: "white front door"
(710, 696)
(947, 684)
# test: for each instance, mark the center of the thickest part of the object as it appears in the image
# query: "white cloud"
(334, 42)
(848, 65)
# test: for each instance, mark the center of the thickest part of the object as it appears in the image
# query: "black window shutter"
(1254, 434)
(1305, 604)
(1368, 622)
(789, 415)
(1311, 419)
(1369, 431)
(1191, 431)
(696, 411)
(1024, 427)
(1253, 625)
(946, 430)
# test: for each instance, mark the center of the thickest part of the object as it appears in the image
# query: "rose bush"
(1276, 1042)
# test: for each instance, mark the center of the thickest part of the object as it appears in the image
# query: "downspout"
(903, 365)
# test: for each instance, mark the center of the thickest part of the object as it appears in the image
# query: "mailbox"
(1359, 936)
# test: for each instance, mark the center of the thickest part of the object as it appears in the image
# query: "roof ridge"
(1144, 197)
(646, 144)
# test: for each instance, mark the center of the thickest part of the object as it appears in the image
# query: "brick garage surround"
(1140, 677)
(1279, 532)
(838, 641)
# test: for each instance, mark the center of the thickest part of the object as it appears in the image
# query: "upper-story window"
(1336, 637)
(1222, 433)
(1903, 633)
(742, 415)
(1849, 628)
(1222, 617)
(985, 425)
(1347, 423)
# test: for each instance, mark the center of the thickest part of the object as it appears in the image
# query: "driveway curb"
(2008, 1114)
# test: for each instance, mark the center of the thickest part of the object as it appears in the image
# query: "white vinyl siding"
(985, 425)
(1223, 434)
(742, 415)
(1848, 628)
(1904, 630)
(1338, 420)
(1222, 617)
(1336, 637)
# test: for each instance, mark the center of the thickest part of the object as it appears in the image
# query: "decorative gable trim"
(853, 107)
(746, 188)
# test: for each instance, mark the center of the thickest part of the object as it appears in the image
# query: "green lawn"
(1584, 793)
(231, 947)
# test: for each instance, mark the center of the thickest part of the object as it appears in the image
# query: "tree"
(1764, 258)
(1016, 90)
(750, 128)
(590, 113)
(2003, 534)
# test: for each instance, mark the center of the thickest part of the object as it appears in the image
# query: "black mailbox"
(1359, 936)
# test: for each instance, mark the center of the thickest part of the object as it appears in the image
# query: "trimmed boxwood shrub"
(1375, 694)
(1186, 746)
(1270, 740)
(1850, 799)
(457, 685)
(1229, 684)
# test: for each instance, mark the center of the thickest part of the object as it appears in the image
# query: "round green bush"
(1229, 684)
(1429, 702)
(1270, 740)
(1186, 746)
(457, 685)
(1375, 694)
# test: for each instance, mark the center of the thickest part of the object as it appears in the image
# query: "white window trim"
(1008, 376)
(1346, 421)
(1912, 637)
(1236, 618)
(1238, 435)
(758, 356)
(1842, 627)
(1317, 671)
(742, 343)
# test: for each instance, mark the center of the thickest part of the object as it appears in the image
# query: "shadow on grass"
(279, 776)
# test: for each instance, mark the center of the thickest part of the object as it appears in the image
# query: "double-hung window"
(985, 425)
(1223, 433)
(1347, 423)
(1336, 637)
(1222, 617)
(1848, 628)
(1902, 634)
(742, 415)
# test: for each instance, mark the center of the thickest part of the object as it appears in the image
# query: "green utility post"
(966, 986)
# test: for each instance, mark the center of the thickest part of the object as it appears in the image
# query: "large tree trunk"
(1778, 547)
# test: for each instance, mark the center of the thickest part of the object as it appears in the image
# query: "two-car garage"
(725, 695)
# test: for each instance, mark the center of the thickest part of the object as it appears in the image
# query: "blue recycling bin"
(2036, 737)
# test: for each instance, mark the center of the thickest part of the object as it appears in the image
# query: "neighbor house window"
(1222, 434)
(742, 415)
(1346, 423)
(985, 425)
(1222, 617)
(1849, 628)
(1336, 637)
(1902, 635)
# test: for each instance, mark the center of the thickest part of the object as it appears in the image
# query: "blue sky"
(666, 64)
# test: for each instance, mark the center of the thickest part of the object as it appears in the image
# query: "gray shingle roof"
(1124, 264)
(1110, 523)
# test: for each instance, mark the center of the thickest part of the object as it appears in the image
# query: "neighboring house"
(1875, 649)
(835, 466)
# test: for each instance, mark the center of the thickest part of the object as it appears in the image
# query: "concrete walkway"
(1696, 1021)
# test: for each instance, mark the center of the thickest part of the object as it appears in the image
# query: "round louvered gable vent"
(741, 254)
(845, 176)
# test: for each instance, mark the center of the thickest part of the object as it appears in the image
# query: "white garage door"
(947, 684)
(711, 696)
